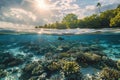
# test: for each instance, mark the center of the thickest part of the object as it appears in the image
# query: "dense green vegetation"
(106, 19)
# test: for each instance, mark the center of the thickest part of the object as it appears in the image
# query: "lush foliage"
(70, 20)
(106, 19)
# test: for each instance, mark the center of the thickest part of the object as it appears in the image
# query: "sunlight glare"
(42, 4)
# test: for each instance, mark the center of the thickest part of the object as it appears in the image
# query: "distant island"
(106, 19)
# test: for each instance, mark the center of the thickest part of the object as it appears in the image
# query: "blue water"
(109, 41)
(40, 44)
(11, 38)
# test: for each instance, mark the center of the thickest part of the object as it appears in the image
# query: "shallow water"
(22, 45)
(13, 42)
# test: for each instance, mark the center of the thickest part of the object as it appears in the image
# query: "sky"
(29, 13)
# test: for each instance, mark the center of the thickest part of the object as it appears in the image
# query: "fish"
(60, 38)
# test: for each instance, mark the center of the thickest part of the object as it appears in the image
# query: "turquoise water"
(109, 41)
(34, 47)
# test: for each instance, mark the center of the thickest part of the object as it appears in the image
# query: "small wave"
(62, 31)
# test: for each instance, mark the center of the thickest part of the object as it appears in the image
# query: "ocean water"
(12, 42)
(38, 45)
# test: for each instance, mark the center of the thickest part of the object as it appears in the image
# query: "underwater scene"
(60, 57)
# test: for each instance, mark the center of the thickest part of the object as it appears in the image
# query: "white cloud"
(27, 13)
(106, 2)
(10, 25)
(90, 7)
(63, 7)
(17, 15)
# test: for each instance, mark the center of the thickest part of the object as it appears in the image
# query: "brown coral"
(110, 74)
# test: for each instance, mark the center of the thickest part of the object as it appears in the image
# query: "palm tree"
(99, 6)
(118, 6)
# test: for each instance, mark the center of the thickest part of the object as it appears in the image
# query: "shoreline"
(76, 31)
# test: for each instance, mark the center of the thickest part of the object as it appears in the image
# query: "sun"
(41, 4)
(42, 7)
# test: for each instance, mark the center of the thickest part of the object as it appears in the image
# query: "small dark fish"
(60, 38)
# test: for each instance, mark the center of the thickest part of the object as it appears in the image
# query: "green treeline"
(106, 19)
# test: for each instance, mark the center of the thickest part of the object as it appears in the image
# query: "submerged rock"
(33, 78)
(96, 60)
(57, 77)
(110, 74)
(37, 70)
(54, 66)
(89, 58)
(2, 73)
(8, 60)
(110, 63)
(32, 69)
(95, 48)
(118, 64)
(63, 48)
(63, 55)
(70, 67)
(42, 76)
(4, 56)
(77, 76)
(15, 62)
(87, 77)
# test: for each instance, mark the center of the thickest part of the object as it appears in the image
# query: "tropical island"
(63, 45)
(106, 19)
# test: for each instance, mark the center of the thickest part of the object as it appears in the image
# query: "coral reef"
(89, 57)
(54, 66)
(8, 60)
(2, 73)
(70, 67)
(64, 55)
(118, 64)
(59, 59)
(31, 70)
(110, 74)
